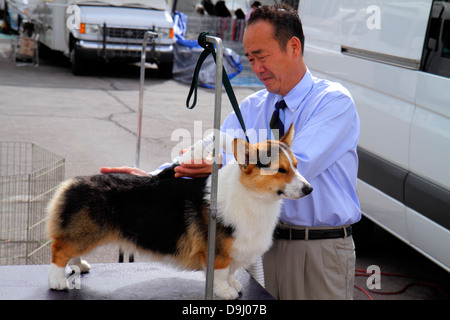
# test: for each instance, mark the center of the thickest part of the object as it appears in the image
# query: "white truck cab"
(111, 30)
(394, 58)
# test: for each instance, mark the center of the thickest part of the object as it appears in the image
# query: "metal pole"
(215, 169)
(147, 35)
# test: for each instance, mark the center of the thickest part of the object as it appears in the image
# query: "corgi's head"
(270, 167)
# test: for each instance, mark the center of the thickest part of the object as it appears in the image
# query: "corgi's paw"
(81, 264)
(236, 285)
(84, 266)
(56, 278)
(225, 291)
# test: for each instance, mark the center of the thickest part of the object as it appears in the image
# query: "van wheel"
(77, 62)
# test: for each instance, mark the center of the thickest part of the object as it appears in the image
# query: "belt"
(287, 233)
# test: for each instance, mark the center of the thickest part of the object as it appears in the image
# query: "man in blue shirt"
(326, 136)
(313, 254)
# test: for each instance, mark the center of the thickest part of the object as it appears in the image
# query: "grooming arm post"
(147, 35)
(215, 168)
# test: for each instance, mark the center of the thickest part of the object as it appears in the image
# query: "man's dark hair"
(285, 21)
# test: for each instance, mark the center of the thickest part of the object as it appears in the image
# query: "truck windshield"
(149, 4)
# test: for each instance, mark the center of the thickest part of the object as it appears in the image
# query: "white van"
(87, 30)
(394, 57)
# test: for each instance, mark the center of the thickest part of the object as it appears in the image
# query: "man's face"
(273, 66)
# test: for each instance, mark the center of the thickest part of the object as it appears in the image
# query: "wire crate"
(228, 29)
(29, 175)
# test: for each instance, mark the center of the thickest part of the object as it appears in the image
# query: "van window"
(436, 53)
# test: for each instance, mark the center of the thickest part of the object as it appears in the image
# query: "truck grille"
(122, 42)
(125, 33)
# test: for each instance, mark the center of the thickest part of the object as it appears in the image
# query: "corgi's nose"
(307, 189)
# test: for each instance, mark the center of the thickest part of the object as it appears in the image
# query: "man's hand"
(192, 170)
(128, 170)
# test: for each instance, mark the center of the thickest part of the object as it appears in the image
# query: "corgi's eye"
(281, 170)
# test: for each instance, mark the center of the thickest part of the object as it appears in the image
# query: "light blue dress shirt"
(326, 127)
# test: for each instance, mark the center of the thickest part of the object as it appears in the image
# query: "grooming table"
(119, 281)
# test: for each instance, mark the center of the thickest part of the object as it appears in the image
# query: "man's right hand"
(128, 170)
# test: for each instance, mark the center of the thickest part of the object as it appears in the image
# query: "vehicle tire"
(165, 70)
(44, 51)
(78, 64)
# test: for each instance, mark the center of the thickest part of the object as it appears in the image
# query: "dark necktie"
(276, 123)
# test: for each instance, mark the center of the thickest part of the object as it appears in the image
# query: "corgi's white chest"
(252, 216)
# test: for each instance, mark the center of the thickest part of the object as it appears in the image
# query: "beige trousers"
(310, 269)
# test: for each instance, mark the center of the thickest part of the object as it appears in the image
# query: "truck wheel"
(77, 62)
(165, 70)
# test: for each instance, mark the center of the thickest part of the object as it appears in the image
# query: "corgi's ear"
(245, 154)
(288, 136)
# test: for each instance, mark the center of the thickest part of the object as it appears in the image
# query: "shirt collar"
(299, 92)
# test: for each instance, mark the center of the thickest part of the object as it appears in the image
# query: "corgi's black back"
(150, 212)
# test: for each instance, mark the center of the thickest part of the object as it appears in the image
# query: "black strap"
(209, 48)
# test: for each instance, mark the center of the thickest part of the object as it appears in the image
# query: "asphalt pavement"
(92, 122)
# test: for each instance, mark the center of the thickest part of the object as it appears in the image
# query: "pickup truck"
(108, 30)
(394, 58)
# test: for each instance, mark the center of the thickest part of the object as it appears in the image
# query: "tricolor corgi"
(169, 216)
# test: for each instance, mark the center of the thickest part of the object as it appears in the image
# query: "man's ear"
(245, 154)
(288, 136)
(295, 45)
